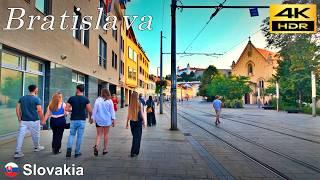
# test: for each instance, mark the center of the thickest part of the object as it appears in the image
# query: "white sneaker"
(18, 155)
(39, 148)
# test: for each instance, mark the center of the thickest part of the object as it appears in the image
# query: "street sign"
(293, 18)
(254, 12)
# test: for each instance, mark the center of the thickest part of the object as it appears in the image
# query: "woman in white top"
(104, 115)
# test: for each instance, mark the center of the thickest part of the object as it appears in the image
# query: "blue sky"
(227, 33)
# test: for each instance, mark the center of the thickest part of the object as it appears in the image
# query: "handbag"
(149, 110)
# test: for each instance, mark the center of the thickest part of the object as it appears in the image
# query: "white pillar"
(314, 93)
(259, 103)
(277, 95)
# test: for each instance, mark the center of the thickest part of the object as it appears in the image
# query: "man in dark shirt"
(78, 105)
(29, 113)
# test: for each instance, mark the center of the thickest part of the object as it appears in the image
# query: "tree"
(206, 79)
(231, 88)
(160, 84)
(299, 56)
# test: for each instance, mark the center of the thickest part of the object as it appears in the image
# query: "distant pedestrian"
(217, 105)
(136, 123)
(79, 106)
(115, 102)
(141, 99)
(104, 115)
(29, 113)
(56, 112)
(151, 119)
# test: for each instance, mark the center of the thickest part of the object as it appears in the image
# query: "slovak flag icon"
(11, 169)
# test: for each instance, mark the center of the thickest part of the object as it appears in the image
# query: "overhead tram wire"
(204, 27)
(229, 50)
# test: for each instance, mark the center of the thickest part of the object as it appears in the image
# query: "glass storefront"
(16, 74)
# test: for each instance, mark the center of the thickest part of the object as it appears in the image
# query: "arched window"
(250, 69)
(261, 84)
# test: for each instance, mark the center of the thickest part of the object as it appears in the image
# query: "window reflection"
(10, 92)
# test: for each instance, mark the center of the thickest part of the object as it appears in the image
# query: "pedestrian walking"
(217, 105)
(115, 102)
(79, 106)
(56, 112)
(29, 113)
(104, 115)
(151, 118)
(136, 123)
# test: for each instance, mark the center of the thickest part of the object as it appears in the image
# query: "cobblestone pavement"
(164, 154)
(288, 143)
(249, 144)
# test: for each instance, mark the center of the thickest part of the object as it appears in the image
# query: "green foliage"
(235, 103)
(206, 79)
(184, 77)
(231, 88)
(160, 84)
(299, 56)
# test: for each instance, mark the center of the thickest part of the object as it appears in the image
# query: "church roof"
(266, 54)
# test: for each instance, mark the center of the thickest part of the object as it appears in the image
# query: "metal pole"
(313, 83)
(278, 95)
(259, 98)
(161, 90)
(227, 7)
(173, 67)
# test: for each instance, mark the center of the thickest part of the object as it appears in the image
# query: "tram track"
(265, 165)
(265, 128)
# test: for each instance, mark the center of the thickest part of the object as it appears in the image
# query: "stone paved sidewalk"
(164, 154)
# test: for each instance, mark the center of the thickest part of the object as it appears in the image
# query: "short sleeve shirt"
(217, 104)
(78, 104)
(28, 106)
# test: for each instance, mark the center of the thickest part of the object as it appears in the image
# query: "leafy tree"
(160, 84)
(231, 88)
(206, 79)
(299, 56)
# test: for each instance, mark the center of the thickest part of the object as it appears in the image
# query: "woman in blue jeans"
(136, 123)
(56, 112)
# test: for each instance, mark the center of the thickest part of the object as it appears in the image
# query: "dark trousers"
(136, 130)
(151, 118)
(57, 126)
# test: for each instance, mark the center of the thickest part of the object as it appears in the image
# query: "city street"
(248, 144)
(254, 143)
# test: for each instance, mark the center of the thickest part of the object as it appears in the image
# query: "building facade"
(59, 60)
(258, 65)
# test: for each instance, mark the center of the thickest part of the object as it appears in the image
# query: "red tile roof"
(266, 53)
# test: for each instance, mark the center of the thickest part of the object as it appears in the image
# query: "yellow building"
(143, 69)
(136, 65)
(258, 65)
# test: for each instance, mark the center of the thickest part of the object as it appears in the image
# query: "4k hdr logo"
(293, 18)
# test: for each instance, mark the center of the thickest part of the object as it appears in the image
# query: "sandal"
(95, 150)
(104, 152)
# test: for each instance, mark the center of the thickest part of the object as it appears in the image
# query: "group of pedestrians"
(30, 116)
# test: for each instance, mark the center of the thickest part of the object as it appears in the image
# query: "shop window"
(12, 61)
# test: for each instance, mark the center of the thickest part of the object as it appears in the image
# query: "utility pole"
(277, 95)
(174, 125)
(314, 94)
(161, 78)
(174, 50)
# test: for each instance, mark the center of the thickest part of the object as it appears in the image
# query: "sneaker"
(18, 155)
(39, 148)
(68, 153)
(77, 155)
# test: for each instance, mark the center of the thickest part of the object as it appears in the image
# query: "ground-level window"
(17, 72)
